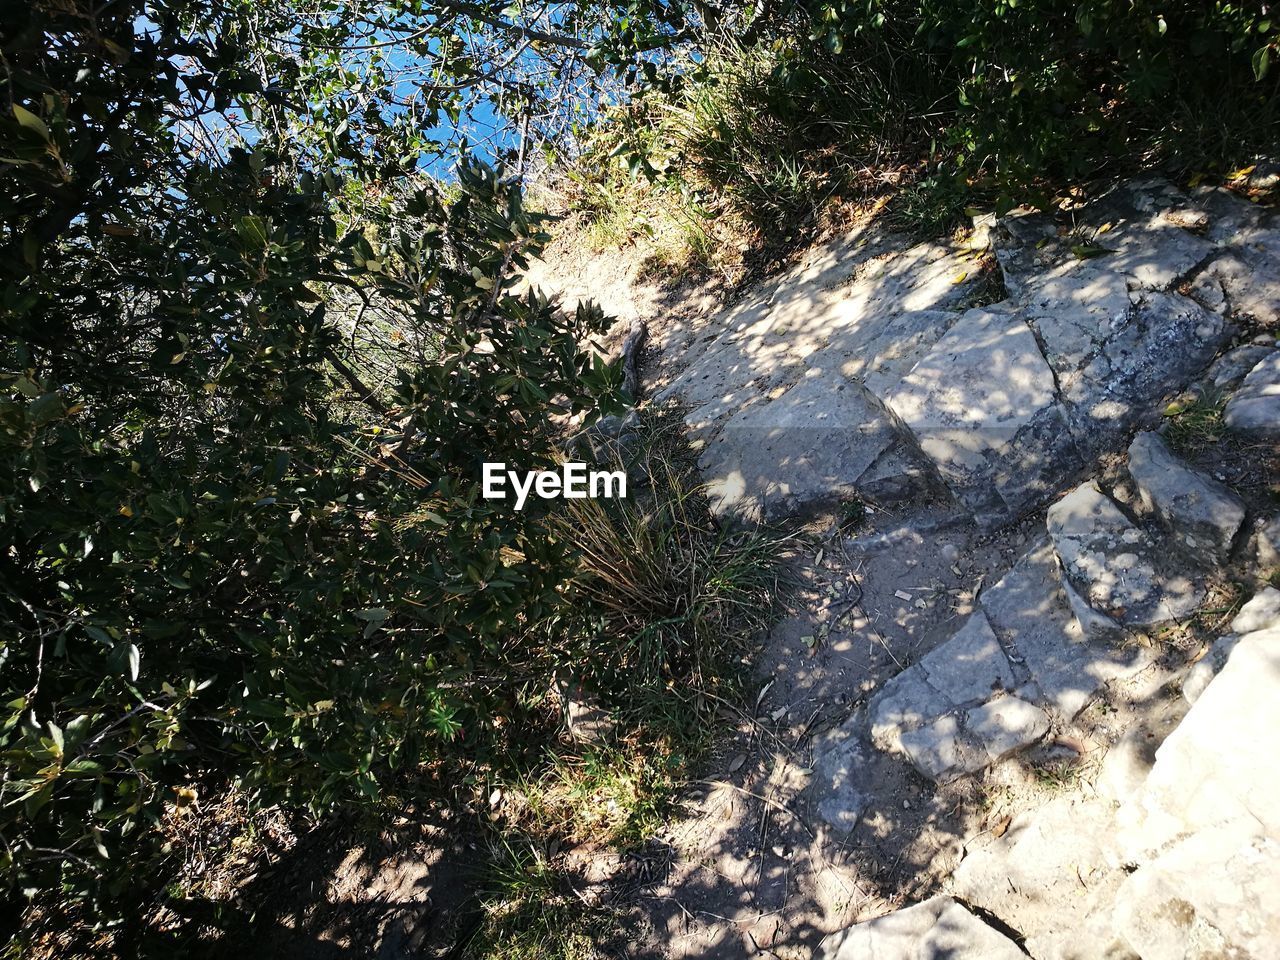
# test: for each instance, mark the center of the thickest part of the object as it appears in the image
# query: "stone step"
(1116, 576)
(981, 405)
(1254, 409)
(994, 686)
(1198, 511)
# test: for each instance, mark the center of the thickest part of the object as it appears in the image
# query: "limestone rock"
(1250, 276)
(809, 445)
(1266, 547)
(1159, 347)
(1059, 666)
(1229, 369)
(840, 758)
(1005, 725)
(1128, 761)
(970, 666)
(1255, 407)
(1214, 894)
(1261, 612)
(1150, 237)
(1199, 511)
(981, 406)
(946, 713)
(1051, 876)
(937, 929)
(1111, 564)
(1219, 764)
(1207, 667)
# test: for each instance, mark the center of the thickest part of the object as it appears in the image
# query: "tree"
(226, 553)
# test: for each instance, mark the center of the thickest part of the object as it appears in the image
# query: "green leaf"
(1087, 251)
(1261, 62)
(253, 231)
(30, 121)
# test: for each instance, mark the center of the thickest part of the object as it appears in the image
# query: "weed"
(931, 207)
(1058, 774)
(529, 910)
(1196, 422)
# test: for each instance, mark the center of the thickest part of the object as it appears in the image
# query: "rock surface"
(1111, 566)
(954, 712)
(981, 406)
(1210, 895)
(1199, 511)
(1255, 407)
(1195, 782)
(1056, 894)
(937, 929)
(1006, 403)
(839, 759)
(810, 445)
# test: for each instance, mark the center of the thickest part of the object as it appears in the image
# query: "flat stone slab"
(1196, 509)
(839, 765)
(810, 445)
(1254, 408)
(988, 691)
(1146, 231)
(1110, 566)
(1051, 876)
(1261, 612)
(1214, 894)
(964, 671)
(1219, 764)
(1233, 366)
(1059, 667)
(949, 715)
(937, 929)
(1101, 297)
(981, 405)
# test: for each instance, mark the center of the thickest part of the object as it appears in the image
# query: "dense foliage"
(228, 555)
(974, 101)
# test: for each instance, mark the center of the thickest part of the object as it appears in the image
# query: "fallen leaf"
(1001, 827)
(960, 278)
(736, 763)
(763, 691)
(1087, 251)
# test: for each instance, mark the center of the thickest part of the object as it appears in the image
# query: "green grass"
(529, 910)
(1196, 422)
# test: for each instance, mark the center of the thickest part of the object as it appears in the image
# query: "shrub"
(230, 556)
(999, 102)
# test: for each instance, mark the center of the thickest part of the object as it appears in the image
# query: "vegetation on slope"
(943, 105)
(257, 343)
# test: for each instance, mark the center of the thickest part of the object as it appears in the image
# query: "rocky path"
(963, 711)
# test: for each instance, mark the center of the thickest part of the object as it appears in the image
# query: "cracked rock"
(1255, 407)
(981, 405)
(936, 929)
(1110, 566)
(1196, 509)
